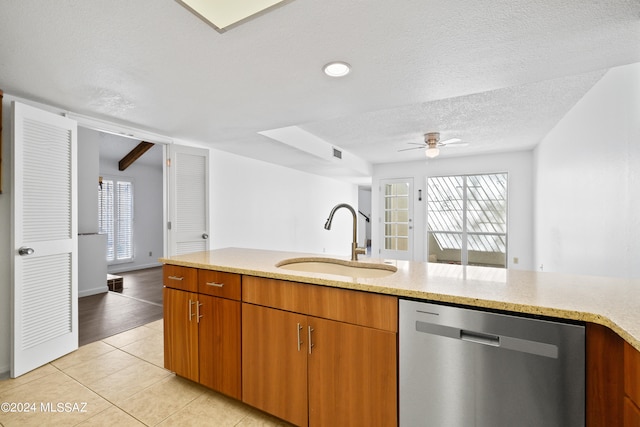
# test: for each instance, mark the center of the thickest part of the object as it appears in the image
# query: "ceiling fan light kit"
(432, 152)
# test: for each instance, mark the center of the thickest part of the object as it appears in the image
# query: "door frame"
(140, 135)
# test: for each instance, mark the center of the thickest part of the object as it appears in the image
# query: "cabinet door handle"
(298, 328)
(191, 313)
(214, 284)
(198, 315)
(310, 343)
(175, 278)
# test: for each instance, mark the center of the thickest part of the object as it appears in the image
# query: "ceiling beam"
(134, 155)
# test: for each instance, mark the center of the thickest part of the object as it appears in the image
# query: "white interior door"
(188, 199)
(44, 238)
(397, 218)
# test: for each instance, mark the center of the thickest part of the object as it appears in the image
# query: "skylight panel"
(224, 14)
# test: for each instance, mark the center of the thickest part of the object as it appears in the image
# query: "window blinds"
(115, 218)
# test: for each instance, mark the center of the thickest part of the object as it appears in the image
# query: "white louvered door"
(188, 200)
(45, 238)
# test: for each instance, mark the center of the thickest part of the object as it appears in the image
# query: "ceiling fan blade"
(450, 141)
(413, 148)
(417, 143)
(456, 145)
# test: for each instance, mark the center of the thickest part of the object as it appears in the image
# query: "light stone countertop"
(611, 302)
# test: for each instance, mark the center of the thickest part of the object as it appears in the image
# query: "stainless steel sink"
(337, 266)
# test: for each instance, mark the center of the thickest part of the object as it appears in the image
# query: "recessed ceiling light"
(337, 69)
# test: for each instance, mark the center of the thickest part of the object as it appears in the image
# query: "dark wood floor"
(140, 302)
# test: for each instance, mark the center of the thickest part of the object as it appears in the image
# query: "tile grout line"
(113, 404)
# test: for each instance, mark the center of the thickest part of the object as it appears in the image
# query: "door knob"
(25, 251)
(205, 236)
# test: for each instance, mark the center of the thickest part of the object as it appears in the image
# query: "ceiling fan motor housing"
(432, 138)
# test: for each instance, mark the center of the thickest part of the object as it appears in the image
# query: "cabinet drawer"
(219, 284)
(177, 277)
(344, 305)
(632, 373)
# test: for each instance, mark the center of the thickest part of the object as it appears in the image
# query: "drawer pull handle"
(175, 278)
(214, 284)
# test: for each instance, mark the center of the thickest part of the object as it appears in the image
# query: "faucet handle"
(361, 251)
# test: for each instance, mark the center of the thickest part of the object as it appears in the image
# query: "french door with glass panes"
(397, 218)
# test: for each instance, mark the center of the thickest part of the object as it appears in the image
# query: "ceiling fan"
(432, 142)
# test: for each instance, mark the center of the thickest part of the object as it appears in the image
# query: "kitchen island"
(610, 302)
(608, 306)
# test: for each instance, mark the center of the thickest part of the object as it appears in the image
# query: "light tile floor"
(119, 381)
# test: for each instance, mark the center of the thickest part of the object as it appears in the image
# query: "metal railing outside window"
(467, 219)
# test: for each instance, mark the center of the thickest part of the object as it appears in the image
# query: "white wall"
(92, 263)
(364, 205)
(147, 205)
(518, 165)
(259, 205)
(88, 172)
(588, 183)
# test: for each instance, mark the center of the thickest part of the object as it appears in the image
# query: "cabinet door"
(219, 345)
(180, 333)
(274, 362)
(604, 376)
(631, 413)
(632, 373)
(352, 375)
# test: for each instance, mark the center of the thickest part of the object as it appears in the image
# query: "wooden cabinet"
(631, 386)
(613, 379)
(319, 356)
(274, 361)
(219, 345)
(201, 331)
(631, 413)
(180, 333)
(352, 375)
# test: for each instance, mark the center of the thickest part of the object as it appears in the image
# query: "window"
(115, 218)
(467, 219)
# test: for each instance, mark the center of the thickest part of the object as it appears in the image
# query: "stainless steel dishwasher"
(464, 367)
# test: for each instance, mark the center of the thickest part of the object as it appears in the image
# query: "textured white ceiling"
(497, 74)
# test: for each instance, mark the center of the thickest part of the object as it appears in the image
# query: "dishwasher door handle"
(480, 338)
(457, 333)
(501, 341)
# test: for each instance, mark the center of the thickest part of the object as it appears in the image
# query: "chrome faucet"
(355, 250)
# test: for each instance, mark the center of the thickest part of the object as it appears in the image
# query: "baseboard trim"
(93, 291)
(126, 268)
